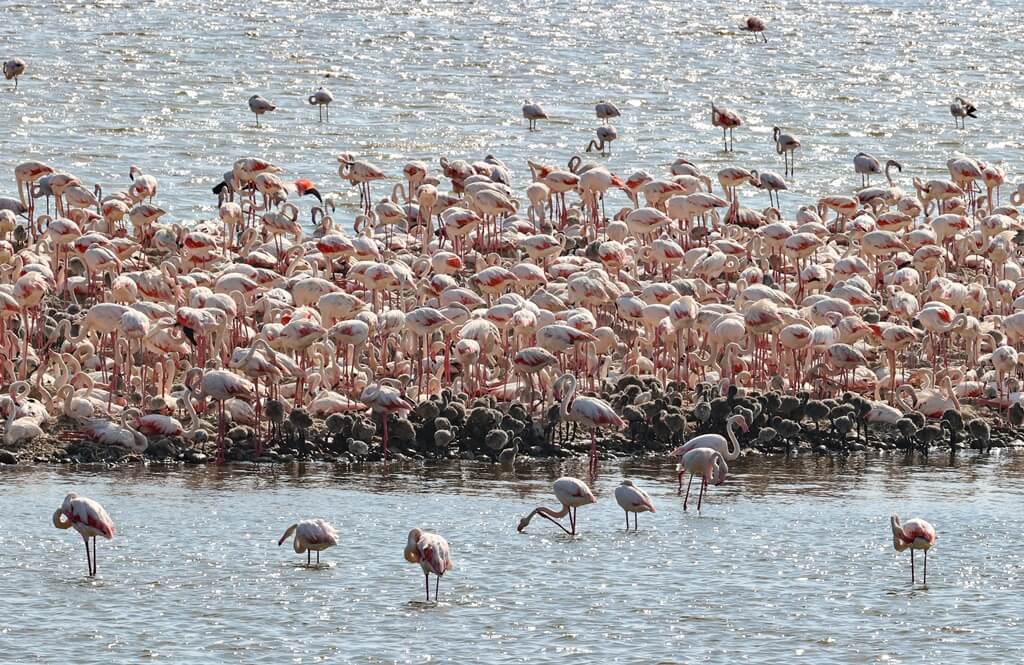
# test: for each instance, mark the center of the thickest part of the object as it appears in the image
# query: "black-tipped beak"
(315, 192)
(219, 187)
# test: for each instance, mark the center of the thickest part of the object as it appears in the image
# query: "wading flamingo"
(431, 551)
(88, 518)
(915, 534)
(571, 493)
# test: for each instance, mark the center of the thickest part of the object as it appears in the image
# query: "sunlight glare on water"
(165, 86)
(789, 561)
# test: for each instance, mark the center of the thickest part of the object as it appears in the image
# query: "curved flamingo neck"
(732, 450)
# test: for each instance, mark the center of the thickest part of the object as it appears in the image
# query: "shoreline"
(340, 441)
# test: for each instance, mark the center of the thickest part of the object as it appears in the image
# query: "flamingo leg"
(88, 556)
(925, 580)
(687, 497)
(426, 585)
(679, 491)
(572, 520)
(636, 518)
(700, 497)
(911, 566)
(627, 519)
(309, 554)
(556, 522)
(437, 583)
(94, 563)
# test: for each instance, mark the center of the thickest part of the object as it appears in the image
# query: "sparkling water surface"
(164, 85)
(790, 561)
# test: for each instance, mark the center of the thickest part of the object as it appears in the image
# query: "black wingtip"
(219, 187)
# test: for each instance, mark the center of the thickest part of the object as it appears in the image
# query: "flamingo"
(915, 534)
(571, 493)
(14, 68)
(710, 464)
(431, 551)
(605, 111)
(89, 519)
(385, 400)
(755, 26)
(634, 500)
(728, 120)
(533, 112)
(311, 536)
(786, 145)
(961, 109)
(729, 448)
(260, 105)
(590, 412)
(322, 99)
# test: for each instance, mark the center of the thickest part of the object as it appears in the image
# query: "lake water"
(791, 561)
(164, 85)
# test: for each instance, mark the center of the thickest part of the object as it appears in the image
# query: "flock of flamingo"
(896, 305)
(432, 551)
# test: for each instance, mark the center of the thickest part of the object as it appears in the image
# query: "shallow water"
(790, 560)
(165, 86)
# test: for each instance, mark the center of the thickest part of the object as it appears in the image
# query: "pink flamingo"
(89, 519)
(431, 551)
(728, 120)
(571, 493)
(915, 534)
(710, 464)
(311, 536)
(385, 400)
(729, 448)
(634, 500)
(590, 412)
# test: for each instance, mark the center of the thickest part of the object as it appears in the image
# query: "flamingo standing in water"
(728, 120)
(311, 536)
(634, 500)
(606, 111)
(786, 145)
(915, 534)
(14, 68)
(88, 518)
(322, 99)
(710, 464)
(756, 26)
(590, 412)
(729, 448)
(260, 105)
(571, 493)
(431, 551)
(533, 112)
(961, 109)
